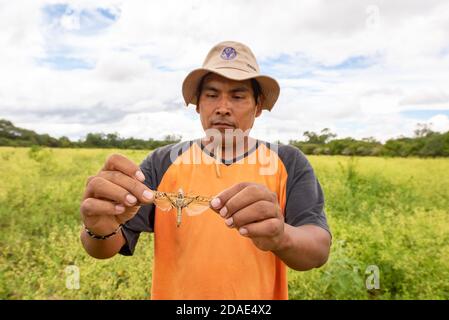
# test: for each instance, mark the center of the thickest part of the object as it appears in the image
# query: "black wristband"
(94, 236)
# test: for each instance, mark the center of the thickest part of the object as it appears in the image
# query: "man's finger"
(266, 228)
(249, 195)
(220, 199)
(240, 196)
(101, 188)
(255, 212)
(136, 188)
(117, 162)
(96, 207)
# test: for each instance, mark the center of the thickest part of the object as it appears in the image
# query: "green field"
(391, 213)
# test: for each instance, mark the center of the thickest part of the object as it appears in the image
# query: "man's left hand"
(254, 211)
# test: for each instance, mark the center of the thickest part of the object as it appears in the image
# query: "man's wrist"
(103, 235)
(285, 242)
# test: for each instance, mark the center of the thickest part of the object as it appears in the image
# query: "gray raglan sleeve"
(143, 221)
(304, 196)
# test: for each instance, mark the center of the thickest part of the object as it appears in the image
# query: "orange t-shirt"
(203, 258)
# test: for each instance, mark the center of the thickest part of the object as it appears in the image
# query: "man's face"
(227, 104)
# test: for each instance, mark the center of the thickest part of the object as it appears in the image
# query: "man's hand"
(254, 211)
(114, 195)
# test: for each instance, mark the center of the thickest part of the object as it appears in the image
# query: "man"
(266, 210)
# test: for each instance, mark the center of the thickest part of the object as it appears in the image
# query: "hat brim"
(269, 86)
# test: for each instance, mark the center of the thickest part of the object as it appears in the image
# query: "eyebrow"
(238, 89)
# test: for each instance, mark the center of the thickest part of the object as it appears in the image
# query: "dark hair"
(257, 90)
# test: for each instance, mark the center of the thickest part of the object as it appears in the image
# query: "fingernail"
(148, 195)
(119, 208)
(140, 176)
(223, 212)
(243, 231)
(229, 221)
(215, 203)
(131, 199)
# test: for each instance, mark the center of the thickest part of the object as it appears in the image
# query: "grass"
(385, 213)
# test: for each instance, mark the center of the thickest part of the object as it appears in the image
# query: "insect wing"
(196, 205)
(163, 201)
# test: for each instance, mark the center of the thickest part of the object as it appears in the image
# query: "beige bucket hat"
(235, 61)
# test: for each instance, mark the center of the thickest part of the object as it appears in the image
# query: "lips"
(223, 125)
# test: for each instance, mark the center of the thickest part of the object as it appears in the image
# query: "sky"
(363, 69)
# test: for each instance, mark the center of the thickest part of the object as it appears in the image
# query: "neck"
(229, 150)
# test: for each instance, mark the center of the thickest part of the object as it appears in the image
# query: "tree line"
(11, 135)
(425, 143)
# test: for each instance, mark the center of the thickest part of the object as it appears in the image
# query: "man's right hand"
(114, 195)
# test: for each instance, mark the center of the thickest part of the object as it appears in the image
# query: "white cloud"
(429, 97)
(439, 122)
(70, 21)
(352, 66)
(379, 103)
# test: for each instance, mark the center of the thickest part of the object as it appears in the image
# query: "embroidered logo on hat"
(228, 53)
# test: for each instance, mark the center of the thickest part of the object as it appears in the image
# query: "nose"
(223, 107)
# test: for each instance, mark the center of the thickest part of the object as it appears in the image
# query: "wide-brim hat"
(235, 61)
